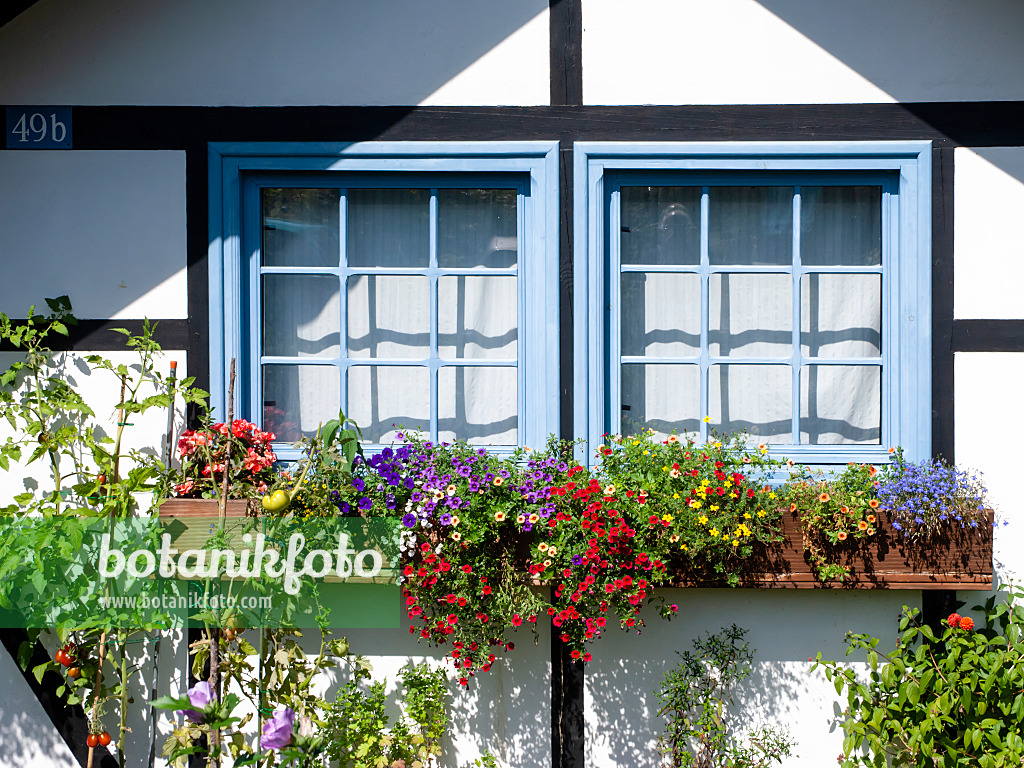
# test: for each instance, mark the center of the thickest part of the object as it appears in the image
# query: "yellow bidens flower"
(703, 519)
(735, 542)
(667, 518)
(695, 504)
(746, 515)
(714, 533)
(707, 419)
(760, 513)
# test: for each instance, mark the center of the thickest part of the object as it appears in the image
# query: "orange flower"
(871, 531)
(892, 450)
(845, 510)
(823, 497)
(862, 525)
(873, 503)
(872, 471)
(842, 536)
(871, 518)
(792, 507)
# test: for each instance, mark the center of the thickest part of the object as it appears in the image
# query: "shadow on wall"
(505, 711)
(785, 628)
(26, 736)
(921, 50)
(265, 53)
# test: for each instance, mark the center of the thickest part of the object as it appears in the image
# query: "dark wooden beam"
(99, 336)
(988, 336)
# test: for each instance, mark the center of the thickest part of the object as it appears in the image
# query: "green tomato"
(277, 501)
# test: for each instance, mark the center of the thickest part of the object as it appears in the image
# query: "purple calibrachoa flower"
(277, 731)
(199, 696)
(409, 520)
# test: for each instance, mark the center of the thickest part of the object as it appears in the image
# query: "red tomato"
(104, 739)
(92, 740)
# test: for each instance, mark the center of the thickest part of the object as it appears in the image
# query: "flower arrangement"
(842, 510)
(712, 501)
(462, 511)
(240, 448)
(930, 497)
(598, 548)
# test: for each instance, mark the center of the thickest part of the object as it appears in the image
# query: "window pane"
(751, 315)
(301, 316)
(664, 398)
(840, 404)
(841, 226)
(660, 225)
(388, 227)
(480, 405)
(841, 315)
(297, 399)
(300, 228)
(476, 228)
(386, 399)
(477, 317)
(660, 314)
(388, 316)
(757, 398)
(750, 225)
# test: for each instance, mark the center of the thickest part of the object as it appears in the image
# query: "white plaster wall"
(786, 627)
(989, 415)
(107, 228)
(798, 51)
(265, 53)
(988, 231)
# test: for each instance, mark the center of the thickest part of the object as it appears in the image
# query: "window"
(413, 286)
(781, 289)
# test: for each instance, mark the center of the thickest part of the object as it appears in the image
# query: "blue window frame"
(779, 287)
(409, 283)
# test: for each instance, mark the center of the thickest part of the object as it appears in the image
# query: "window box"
(886, 561)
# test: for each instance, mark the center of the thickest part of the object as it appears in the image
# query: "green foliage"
(956, 699)
(695, 699)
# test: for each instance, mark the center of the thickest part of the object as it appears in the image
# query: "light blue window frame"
(906, 319)
(238, 170)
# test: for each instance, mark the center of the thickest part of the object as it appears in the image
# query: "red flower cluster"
(432, 620)
(204, 453)
(599, 557)
(956, 621)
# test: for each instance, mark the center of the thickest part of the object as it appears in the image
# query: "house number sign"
(39, 128)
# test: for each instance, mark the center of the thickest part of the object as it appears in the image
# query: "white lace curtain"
(751, 315)
(389, 316)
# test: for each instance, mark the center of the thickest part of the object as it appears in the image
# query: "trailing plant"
(462, 511)
(835, 513)
(599, 547)
(696, 700)
(937, 700)
(931, 497)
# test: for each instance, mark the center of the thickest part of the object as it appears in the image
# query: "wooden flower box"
(885, 561)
